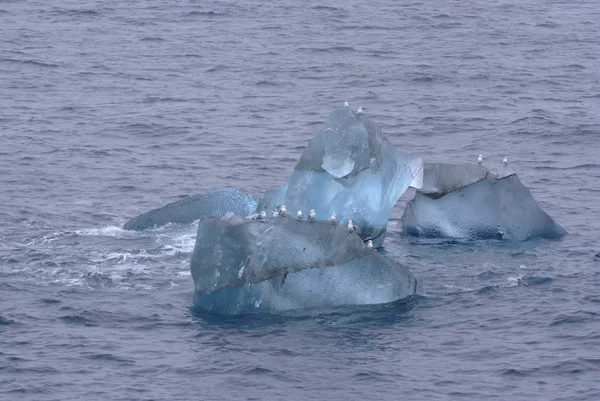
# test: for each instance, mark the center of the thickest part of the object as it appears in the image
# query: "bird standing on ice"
(283, 211)
(351, 227)
(359, 110)
(262, 216)
(480, 159)
(333, 219)
(505, 161)
(299, 215)
(370, 244)
(346, 104)
(312, 215)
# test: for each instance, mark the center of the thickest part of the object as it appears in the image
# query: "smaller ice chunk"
(468, 201)
(213, 204)
(283, 263)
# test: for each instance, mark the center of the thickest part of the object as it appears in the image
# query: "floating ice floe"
(243, 266)
(185, 211)
(469, 201)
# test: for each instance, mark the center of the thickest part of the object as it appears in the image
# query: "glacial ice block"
(242, 266)
(349, 168)
(468, 201)
(272, 200)
(213, 204)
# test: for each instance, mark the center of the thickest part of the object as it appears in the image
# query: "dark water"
(109, 109)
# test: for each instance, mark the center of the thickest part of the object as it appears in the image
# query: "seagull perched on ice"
(480, 159)
(262, 216)
(346, 104)
(505, 161)
(359, 110)
(312, 215)
(370, 245)
(351, 227)
(299, 215)
(333, 219)
(283, 211)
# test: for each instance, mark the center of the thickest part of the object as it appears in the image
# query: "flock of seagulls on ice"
(312, 216)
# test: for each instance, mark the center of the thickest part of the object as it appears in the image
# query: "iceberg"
(350, 168)
(213, 204)
(243, 266)
(469, 201)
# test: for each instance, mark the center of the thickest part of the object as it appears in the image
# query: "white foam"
(514, 281)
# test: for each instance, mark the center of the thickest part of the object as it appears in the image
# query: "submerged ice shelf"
(212, 204)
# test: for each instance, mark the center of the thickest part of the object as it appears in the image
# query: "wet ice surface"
(249, 266)
(212, 204)
(468, 201)
(350, 169)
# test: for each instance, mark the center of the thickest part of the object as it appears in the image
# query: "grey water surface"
(109, 109)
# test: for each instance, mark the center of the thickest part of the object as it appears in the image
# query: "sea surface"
(109, 109)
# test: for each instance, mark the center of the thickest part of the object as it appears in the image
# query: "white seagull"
(333, 219)
(370, 244)
(312, 215)
(505, 161)
(346, 104)
(480, 159)
(299, 215)
(359, 110)
(351, 227)
(262, 216)
(283, 211)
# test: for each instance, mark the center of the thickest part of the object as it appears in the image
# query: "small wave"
(77, 320)
(28, 62)
(72, 12)
(108, 357)
(423, 79)
(575, 318)
(514, 281)
(328, 8)
(4, 321)
(98, 278)
(534, 119)
(218, 67)
(151, 39)
(548, 24)
(531, 281)
(210, 14)
(373, 377)
(330, 49)
(156, 99)
(108, 231)
(514, 372)
(49, 301)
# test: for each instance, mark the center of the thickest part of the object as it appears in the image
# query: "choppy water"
(109, 109)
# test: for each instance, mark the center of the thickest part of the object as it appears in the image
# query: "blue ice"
(242, 266)
(212, 204)
(350, 168)
(468, 201)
